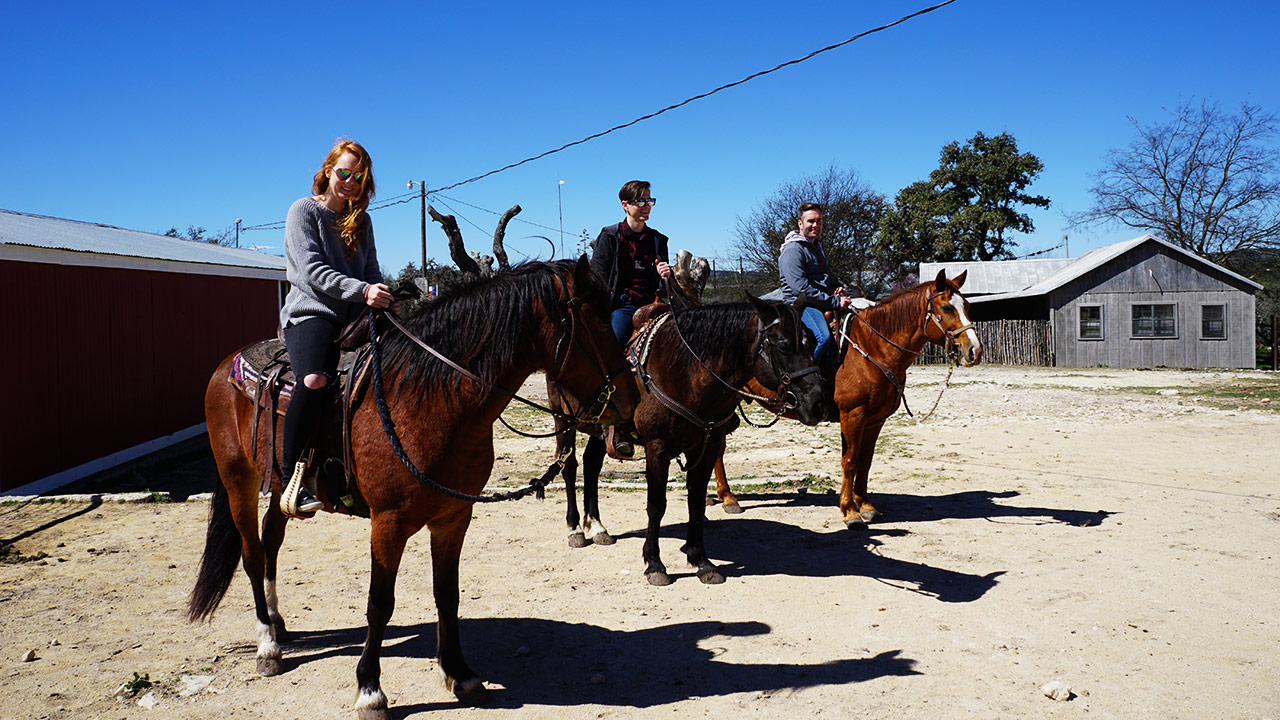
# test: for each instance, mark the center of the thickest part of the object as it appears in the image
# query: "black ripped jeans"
(313, 349)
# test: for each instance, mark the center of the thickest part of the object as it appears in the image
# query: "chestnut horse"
(539, 316)
(689, 388)
(878, 344)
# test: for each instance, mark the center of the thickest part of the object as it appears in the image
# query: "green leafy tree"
(967, 207)
(851, 214)
(1204, 180)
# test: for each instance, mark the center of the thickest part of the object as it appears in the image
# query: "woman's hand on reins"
(378, 295)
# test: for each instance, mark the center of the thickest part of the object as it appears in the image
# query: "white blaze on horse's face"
(970, 351)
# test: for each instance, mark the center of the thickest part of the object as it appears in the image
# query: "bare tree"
(475, 264)
(1205, 181)
(851, 214)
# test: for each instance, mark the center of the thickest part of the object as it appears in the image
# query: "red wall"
(100, 359)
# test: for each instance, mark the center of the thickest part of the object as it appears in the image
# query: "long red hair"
(349, 223)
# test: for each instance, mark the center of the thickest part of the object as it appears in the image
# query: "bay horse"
(538, 316)
(689, 383)
(878, 344)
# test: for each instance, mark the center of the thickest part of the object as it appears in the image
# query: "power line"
(495, 212)
(642, 118)
(1039, 252)
(699, 97)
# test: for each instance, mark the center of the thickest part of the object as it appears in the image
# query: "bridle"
(952, 346)
(569, 340)
(764, 349)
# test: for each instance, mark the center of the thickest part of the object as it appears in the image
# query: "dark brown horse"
(697, 360)
(548, 316)
(879, 343)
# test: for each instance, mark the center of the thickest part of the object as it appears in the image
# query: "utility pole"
(238, 221)
(422, 195)
(1065, 246)
(560, 207)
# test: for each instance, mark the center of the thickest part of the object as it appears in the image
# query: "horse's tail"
(222, 548)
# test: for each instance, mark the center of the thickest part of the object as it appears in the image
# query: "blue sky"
(150, 116)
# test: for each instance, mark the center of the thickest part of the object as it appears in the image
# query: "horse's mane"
(482, 326)
(714, 333)
(901, 309)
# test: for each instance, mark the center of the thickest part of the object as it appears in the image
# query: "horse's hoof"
(603, 538)
(471, 692)
(870, 516)
(577, 540)
(658, 578)
(372, 706)
(733, 509)
(710, 577)
(856, 523)
(712, 501)
(270, 667)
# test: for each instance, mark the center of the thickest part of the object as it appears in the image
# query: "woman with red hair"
(333, 273)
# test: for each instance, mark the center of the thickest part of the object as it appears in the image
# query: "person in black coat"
(632, 257)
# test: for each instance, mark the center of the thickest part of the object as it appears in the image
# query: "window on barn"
(1090, 322)
(1213, 322)
(1155, 321)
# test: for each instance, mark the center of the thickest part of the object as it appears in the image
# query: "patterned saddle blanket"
(263, 374)
(637, 352)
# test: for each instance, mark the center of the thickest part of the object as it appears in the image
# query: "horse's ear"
(582, 272)
(940, 282)
(959, 279)
(762, 308)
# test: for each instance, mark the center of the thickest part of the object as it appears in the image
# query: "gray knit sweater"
(323, 282)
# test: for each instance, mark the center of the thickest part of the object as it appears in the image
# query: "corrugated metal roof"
(1073, 269)
(996, 276)
(38, 231)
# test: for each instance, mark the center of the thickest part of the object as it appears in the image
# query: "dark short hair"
(632, 189)
(806, 207)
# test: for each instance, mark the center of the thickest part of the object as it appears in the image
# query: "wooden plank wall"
(1004, 342)
(1151, 274)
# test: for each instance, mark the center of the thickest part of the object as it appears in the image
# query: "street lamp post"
(560, 207)
(238, 221)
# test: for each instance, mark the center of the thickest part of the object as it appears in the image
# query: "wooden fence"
(1005, 342)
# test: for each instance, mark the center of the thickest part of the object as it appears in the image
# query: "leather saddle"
(261, 372)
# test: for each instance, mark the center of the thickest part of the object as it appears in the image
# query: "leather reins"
(537, 485)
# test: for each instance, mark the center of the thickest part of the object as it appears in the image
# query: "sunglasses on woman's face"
(348, 175)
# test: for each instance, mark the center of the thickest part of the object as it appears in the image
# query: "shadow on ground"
(548, 662)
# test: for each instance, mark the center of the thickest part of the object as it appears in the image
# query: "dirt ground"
(1115, 531)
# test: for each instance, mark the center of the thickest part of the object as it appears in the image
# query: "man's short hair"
(806, 207)
(632, 190)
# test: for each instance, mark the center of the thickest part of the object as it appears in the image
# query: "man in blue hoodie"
(804, 272)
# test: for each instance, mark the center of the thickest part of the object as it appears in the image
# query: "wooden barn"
(115, 335)
(1139, 303)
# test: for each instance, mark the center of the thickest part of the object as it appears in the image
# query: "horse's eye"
(948, 310)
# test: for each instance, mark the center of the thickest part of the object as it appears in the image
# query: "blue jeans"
(620, 319)
(813, 319)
